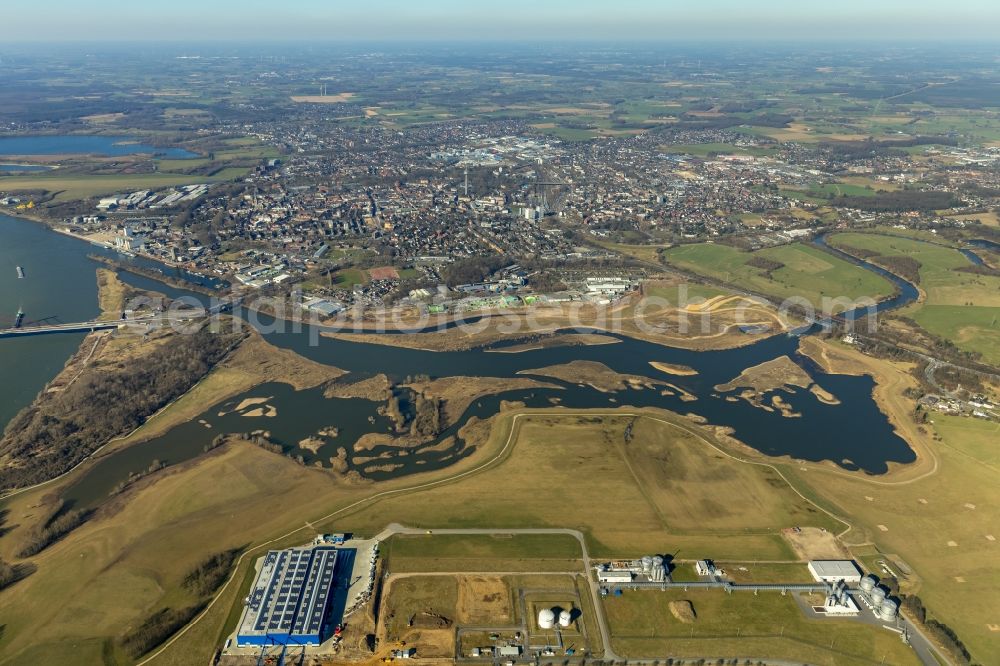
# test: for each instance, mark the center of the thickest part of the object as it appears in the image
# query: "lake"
(84, 144)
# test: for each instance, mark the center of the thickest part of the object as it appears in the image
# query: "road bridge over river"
(152, 320)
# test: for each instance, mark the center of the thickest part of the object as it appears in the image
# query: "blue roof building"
(290, 598)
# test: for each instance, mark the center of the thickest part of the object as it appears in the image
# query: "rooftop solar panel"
(291, 593)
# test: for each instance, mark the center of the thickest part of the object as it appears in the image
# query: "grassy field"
(961, 307)
(450, 552)
(807, 272)
(639, 512)
(744, 625)
(348, 277)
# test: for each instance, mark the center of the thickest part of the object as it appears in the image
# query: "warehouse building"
(831, 571)
(290, 598)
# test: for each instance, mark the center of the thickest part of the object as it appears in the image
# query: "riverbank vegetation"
(59, 522)
(60, 429)
(254, 362)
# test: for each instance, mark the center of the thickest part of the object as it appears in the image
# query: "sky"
(283, 20)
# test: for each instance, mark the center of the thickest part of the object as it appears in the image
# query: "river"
(854, 434)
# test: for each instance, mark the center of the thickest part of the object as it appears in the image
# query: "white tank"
(647, 564)
(868, 583)
(546, 619)
(565, 618)
(659, 571)
(887, 611)
(878, 596)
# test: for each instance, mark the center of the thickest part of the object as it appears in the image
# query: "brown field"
(383, 273)
(111, 294)
(989, 218)
(928, 514)
(483, 600)
(148, 537)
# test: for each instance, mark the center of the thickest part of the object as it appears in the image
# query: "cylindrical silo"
(565, 618)
(647, 564)
(887, 611)
(546, 619)
(868, 583)
(659, 571)
(878, 596)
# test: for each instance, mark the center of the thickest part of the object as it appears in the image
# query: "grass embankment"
(958, 306)
(787, 271)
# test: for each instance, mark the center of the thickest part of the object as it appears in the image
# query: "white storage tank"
(887, 611)
(546, 618)
(647, 564)
(878, 596)
(659, 571)
(868, 583)
(565, 618)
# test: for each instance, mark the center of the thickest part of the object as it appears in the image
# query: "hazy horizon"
(514, 20)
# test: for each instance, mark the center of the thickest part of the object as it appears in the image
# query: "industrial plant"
(650, 568)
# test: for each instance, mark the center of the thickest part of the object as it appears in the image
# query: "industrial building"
(831, 571)
(651, 568)
(839, 602)
(705, 568)
(290, 598)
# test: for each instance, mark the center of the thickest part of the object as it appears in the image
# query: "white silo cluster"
(547, 618)
(885, 609)
(653, 568)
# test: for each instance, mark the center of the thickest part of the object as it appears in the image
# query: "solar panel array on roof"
(290, 597)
